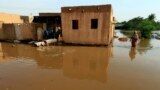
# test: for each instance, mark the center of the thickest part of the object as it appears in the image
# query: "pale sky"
(123, 9)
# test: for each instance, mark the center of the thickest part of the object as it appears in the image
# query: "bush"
(145, 25)
(146, 28)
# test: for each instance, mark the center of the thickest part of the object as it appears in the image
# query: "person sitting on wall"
(134, 39)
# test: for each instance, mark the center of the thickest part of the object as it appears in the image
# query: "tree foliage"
(151, 17)
(145, 25)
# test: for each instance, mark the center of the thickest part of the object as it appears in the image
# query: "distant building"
(88, 24)
(13, 18)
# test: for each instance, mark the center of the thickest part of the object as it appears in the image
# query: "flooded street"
(23, 67)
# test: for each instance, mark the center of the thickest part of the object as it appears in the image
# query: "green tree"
(157, 25)
(146, 28)
(151, 17)
(145, 25)
(131, 24)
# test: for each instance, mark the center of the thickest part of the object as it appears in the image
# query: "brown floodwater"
(23, 67)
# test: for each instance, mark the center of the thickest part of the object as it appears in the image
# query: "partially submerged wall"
(19, 31)
(9, 32)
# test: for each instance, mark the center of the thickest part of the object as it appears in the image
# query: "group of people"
(53, 33)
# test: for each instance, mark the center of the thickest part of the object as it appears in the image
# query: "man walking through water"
(134, 39)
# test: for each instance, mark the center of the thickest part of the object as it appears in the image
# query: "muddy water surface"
(23, 67)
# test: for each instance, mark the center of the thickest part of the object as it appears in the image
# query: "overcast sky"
(123, 9)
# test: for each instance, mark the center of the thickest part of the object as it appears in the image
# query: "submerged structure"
(88, 24)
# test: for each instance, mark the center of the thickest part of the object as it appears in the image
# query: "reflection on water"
(39, 64)
(144, 45)
(132, 53)
(45, 59)
(89, 59)
(87, 63)
(121, 67)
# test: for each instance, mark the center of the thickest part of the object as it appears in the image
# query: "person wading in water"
(134, 39)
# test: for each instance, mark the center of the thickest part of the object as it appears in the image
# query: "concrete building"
(88, 24)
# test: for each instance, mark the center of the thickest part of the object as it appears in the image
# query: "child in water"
(134, 39)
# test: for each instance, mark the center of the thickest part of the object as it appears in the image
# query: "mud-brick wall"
(84, 34)
(9, 32)
(27, 31)
(10, 18)
(1, 31)
(24, 31)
